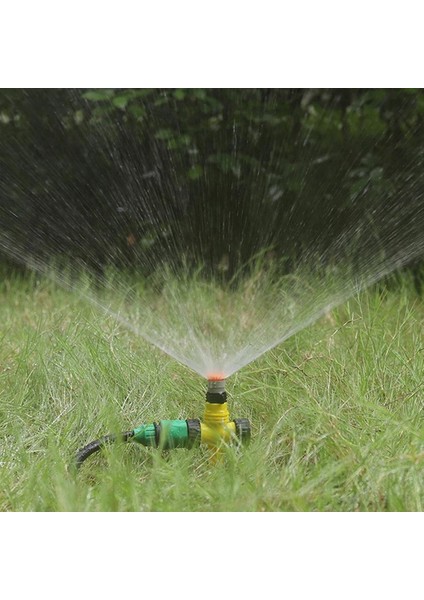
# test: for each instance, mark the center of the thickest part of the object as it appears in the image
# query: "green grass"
(336, 412)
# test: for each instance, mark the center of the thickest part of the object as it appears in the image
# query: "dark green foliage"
(85, 167)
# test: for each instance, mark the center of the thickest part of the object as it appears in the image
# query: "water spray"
(215, 430)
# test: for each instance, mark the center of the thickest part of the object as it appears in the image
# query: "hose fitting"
(215, 429)
(169, 434)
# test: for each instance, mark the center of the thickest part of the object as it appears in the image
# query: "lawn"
(336, 412)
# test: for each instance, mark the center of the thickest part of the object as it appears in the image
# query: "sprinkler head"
(216, 391)
(216, 377)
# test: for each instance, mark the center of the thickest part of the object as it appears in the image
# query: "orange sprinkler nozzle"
(216, 377)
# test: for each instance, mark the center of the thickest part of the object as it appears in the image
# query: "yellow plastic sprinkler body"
(216, 428)
(214, 431)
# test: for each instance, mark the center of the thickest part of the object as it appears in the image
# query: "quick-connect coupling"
(215, 429)
(168, 434)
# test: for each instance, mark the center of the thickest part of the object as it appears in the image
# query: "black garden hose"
(97, 445)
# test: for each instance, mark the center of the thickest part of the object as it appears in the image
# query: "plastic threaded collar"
(216, 393)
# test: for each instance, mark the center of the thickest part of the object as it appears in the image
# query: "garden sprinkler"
(214, 430)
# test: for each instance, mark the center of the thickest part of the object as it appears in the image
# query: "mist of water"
(220, 265)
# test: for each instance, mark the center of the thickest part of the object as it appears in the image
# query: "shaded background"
(127, 176)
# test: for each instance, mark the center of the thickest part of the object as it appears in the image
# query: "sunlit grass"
(336, 412)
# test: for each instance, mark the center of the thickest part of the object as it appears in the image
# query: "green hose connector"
(215, 429)
(168, 434)
(145, 434)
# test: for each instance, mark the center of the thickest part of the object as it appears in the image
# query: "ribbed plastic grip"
(194, 432)
(173, 434)
(243, 430)
(146, 435)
